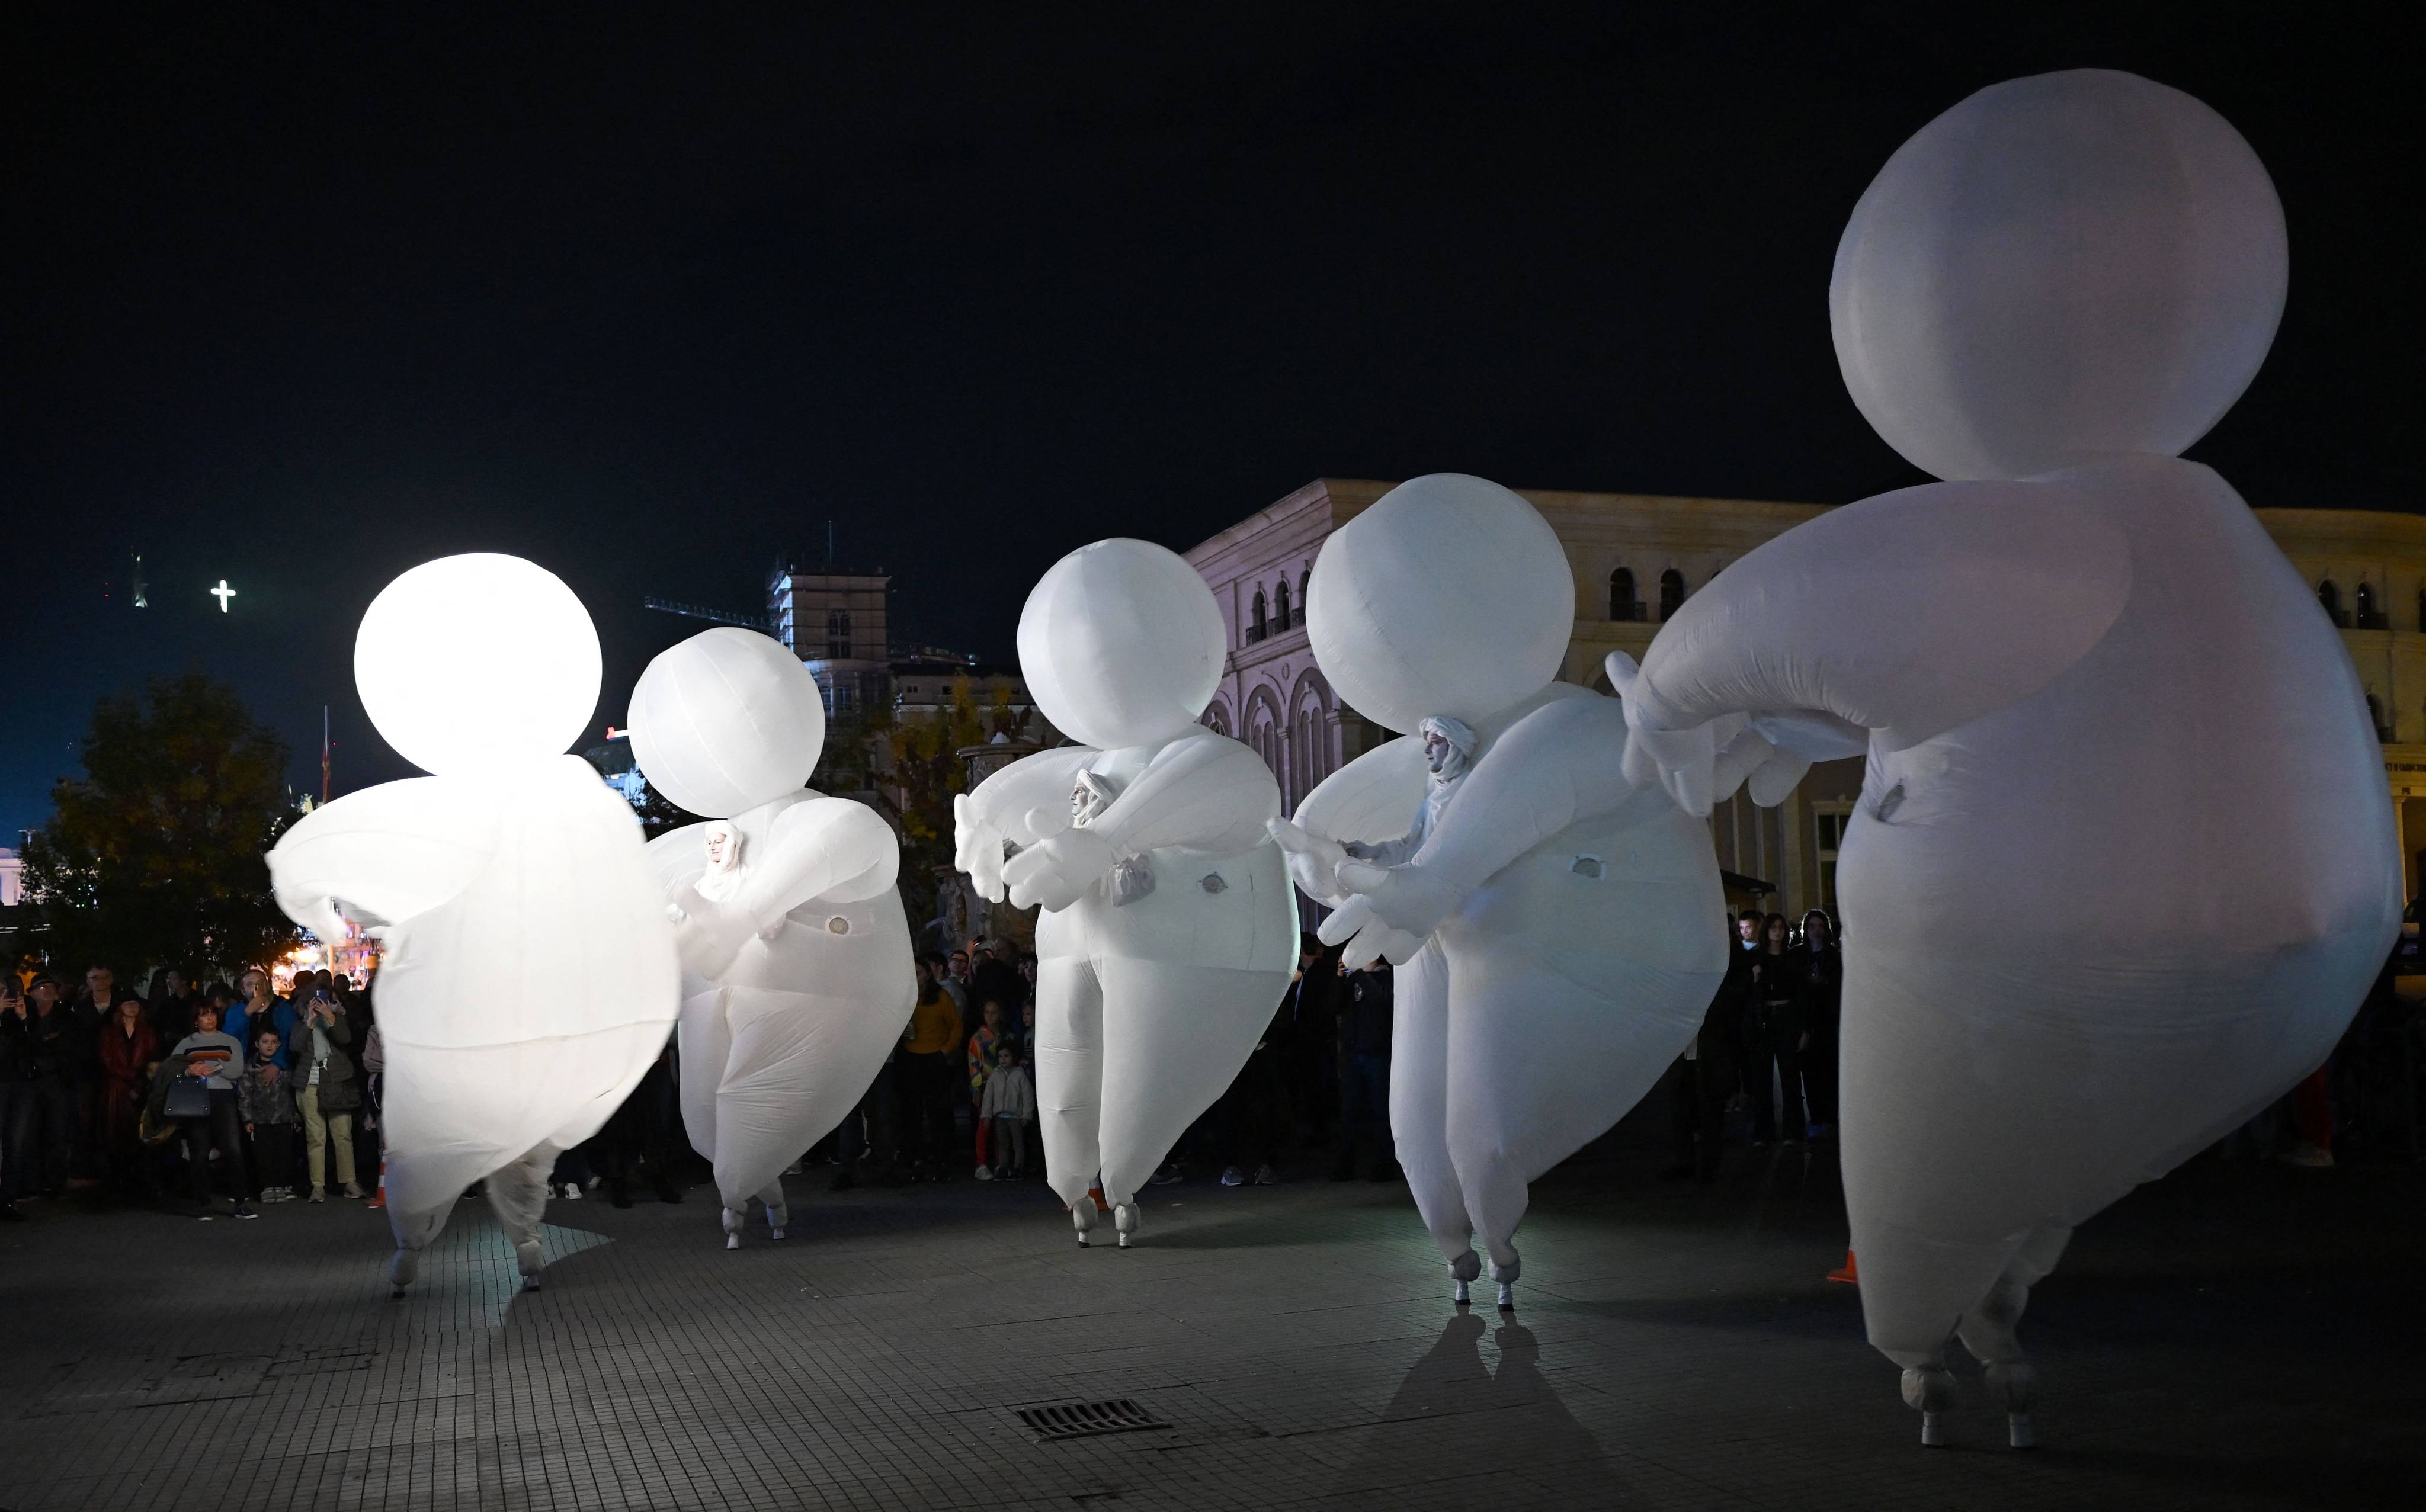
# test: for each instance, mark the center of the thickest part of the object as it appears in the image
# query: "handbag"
(190, 1097)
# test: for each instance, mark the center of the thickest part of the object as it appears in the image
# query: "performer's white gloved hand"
(976, 848)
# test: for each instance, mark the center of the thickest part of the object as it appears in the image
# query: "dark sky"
(301, 300)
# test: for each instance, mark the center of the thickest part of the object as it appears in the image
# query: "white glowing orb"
(725, 721)
(2059, 270)
(1121, 644)
(476, 660)
(1449, 596)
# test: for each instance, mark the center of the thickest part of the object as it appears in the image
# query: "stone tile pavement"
(2235, 1337)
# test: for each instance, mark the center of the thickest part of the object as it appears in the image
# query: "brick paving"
(2235, 1337)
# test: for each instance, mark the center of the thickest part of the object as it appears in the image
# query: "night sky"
(299, 300)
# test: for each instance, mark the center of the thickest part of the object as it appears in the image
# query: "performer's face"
(723, 849)
(1436, 750)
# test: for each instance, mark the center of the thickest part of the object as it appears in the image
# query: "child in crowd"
(1010, 1108)
(217, 1061)
(267, 1104)
(985, 1049)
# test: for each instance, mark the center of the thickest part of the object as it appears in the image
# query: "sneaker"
(985, 1173)
(1265, 1176)
(206, 1216)
(1234, 1176)
(354, 1189)
(2304, 1153)
(1166, 1175)
(573, 1191)
(318, 1196)
(595, 1181)
(244, 1211)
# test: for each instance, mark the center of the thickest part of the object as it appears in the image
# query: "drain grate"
(1078, 1420)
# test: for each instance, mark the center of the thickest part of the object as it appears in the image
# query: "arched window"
(1216, 719)
(1280, 621)
(2369, 617)
(837, 633)
(1671, 592)
(1259, 625)
(1264, 737)
(2331, 597)
(1622, 604)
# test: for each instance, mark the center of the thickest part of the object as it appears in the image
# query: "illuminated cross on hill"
(223, 593)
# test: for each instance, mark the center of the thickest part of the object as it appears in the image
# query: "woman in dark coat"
(1776, 1036)
(129, 1048)
(1821, 990)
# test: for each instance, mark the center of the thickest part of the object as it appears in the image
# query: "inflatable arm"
(1904, 615)
(830, 848)
(1203, 793)
(1005, 808)
(383, 855)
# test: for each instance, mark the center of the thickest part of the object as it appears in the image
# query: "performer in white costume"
(2100, 708)
(529, 976)
(1169, 929)
(796, 979)
(1555, 924)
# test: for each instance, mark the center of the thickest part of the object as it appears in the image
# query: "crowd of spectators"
(241, 1092)
(256, 1093)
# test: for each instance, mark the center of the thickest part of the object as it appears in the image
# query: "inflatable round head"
(1121, 644)
(725, 721)
(2059, 269)
(1449, 596)
(470, 661)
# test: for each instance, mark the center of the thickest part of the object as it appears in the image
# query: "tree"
(153, 857)
(926, 773)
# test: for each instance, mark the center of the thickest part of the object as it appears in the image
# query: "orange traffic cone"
(1846, 1273)
(378, 1198)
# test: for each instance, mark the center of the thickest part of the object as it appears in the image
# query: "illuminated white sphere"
(2059, 269)
(477, 660)
(1121, 644)
(725, 721)
(1449, 596)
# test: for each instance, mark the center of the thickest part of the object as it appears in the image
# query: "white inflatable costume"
(2123, 865)
(1555, 923)
(1169, 929)
(796, 979)
(530, 971)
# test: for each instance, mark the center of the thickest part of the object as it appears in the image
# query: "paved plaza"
(2238, 1336)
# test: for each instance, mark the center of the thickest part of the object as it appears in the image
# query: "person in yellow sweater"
(930, 1073)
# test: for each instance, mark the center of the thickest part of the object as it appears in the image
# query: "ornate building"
(1638, 556)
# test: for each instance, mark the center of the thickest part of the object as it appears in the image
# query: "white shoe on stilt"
(401, 1271)
(1125, 1220)
(776, 1219)
(532, 1260)
(1460, 1295)
(1082, 1217)
(1930, 1389)
(733, 1224)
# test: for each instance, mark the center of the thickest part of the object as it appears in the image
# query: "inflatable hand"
(1685, 762)
(1313, 861)
(1054, 873)
(707, 936)
(976, 848)
(1407, 898)
(1367, 937)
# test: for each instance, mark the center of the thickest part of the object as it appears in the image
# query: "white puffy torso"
(857, 951)
(561, 932)
(1639, 886)
(1235, 911)
(2131, 904)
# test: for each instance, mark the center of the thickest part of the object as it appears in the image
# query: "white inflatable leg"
(799, 1063)
(1538, 1067)
(1125, 1221)
(736, 1219)
(518, 1195)
(1419, 1109)
(705, 1041)
(1070, 1080)
(1175, 1039)
(777, 1214)
(1929, 1389)
(1988, 1330)
(402, 1268)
